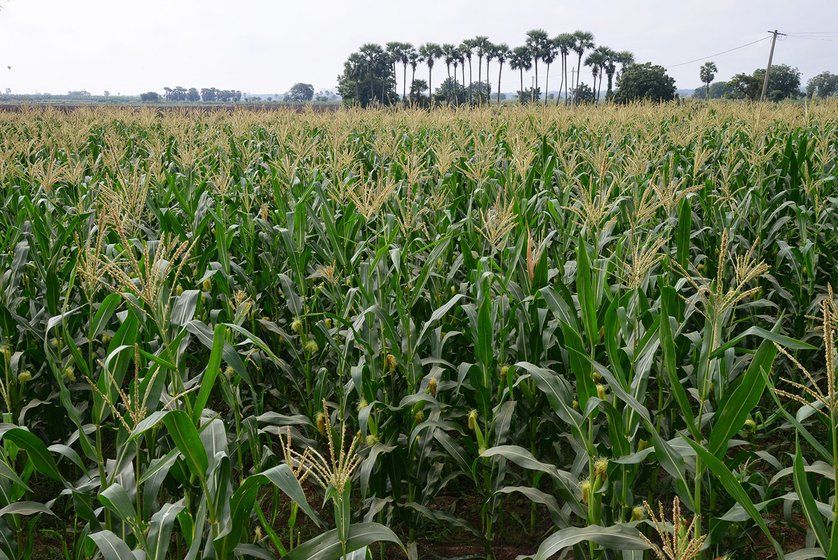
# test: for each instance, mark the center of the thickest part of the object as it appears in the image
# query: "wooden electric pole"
(770, 59)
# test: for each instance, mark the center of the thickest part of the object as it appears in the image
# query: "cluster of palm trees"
(538, 47)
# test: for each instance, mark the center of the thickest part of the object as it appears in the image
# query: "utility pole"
(770, 59)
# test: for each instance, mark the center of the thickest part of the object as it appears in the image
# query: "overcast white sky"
(265, 46)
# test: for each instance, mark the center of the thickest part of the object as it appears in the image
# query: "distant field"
(248, 331)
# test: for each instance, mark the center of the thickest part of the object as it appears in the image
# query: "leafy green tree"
(367, 77)
(417, 87)
(150, 97)
(529, 95)
(824, 84)
(583, 94)
(193, 95)
(208, 95)
(451, 91)
(717, 90)
(707, 74)
(645, 81)
(300, 93)
(783, 83)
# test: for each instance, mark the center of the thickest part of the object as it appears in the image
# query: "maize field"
(601, 332)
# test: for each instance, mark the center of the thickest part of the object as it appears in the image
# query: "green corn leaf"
(210, 373)
(618, 537)
(807, 503)
(585, 290)
(188, 441)
(737, 404)
(160, 530)
(328, 547)
(734, 488)
(111, 546)
(670, 368)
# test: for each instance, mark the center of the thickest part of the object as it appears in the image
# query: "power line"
(827, 38)
(719, 53)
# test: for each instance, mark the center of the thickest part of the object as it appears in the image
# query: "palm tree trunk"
(430, 89)
(412, 81)
(488, 87)
(561, 84)
(463, 68)
(404, 82)
(479, 78)
(566, 96)
(536, 79)
(521, 93)
(578, 75)
(470, 79)
(500, 71)
(546, 84)
(707, 95)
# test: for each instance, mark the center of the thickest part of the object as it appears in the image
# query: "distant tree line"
(299, 93)
(193, 95)
(370, 75)
(783, 83)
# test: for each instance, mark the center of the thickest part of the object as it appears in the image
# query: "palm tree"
(415, 58)
(502, 53)
(624, 58)
(609, 67)
(548, 56)
(537, 41)
(430, 52)
(462, 60)
(407, 58)
(373, 56)
(521, 60)
(447, 50)
(596, 60)
(480, 44)
(707, 74)
(564, 43)
(583, 40)
(394, 53)
(466, 48)
(490, 54)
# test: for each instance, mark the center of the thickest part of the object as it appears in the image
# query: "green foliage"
(648, 82)
(718, 90)
(783, 83)
(823, 85)
(300, 93)
(367, 78)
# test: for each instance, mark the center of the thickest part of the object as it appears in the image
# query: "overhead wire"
(718, 53)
